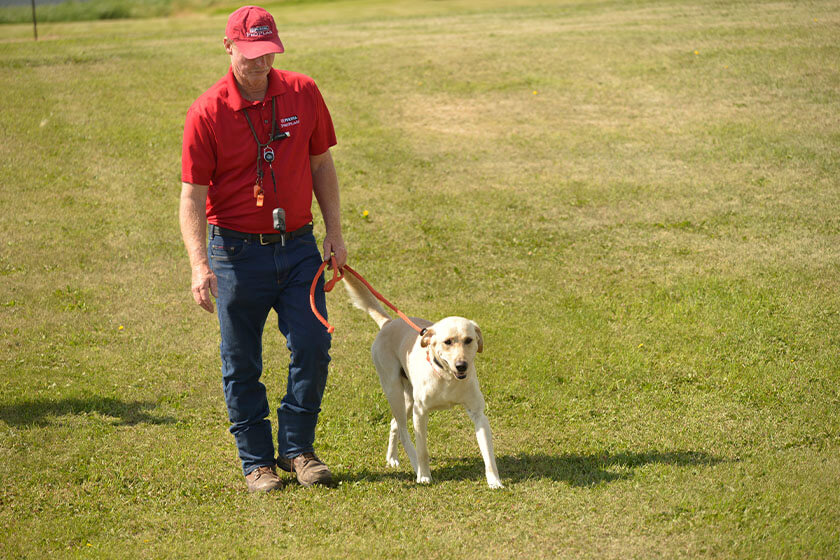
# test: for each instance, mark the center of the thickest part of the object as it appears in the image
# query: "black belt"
(263, 238)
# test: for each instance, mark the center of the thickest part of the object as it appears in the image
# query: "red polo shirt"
(219, 150)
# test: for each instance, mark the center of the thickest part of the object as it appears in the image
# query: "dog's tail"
(365, 300)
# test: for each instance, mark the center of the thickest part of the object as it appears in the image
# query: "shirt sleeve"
(198, 151)
(323, 135)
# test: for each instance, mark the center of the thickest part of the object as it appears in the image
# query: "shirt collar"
(276, 86)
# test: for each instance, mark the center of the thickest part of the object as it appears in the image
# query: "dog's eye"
(448, 341)
(468, 340)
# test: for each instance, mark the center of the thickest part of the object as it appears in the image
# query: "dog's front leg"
(485, 444)
(421, 425)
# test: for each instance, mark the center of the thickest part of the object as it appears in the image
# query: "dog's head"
(453, 342)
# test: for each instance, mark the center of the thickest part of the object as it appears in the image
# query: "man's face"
(250, 72)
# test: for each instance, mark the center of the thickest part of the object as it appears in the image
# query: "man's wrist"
(201, 266)
(334, 231)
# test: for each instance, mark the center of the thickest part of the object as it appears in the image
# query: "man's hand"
(334, 246)
(204, 284)
(194, 231)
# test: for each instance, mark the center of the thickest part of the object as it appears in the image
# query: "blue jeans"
(253, 279)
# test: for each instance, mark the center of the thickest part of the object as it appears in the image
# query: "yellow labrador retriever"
(424, 373)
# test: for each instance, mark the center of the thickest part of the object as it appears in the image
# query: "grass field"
(637, 201)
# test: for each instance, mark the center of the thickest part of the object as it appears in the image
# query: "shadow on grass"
(576, 470)
(39, 412)
(593, 469)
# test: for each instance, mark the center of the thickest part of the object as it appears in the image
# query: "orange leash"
(338, 274)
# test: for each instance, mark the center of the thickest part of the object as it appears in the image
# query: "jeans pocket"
(227, 248)
(307, 240)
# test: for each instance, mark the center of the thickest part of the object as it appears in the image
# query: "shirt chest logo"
(289, 121)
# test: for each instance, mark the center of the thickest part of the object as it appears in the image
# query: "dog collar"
(433, 360)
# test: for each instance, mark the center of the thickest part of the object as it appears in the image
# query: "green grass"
(637, 201)
(85, 10)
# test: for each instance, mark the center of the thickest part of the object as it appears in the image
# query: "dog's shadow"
(576, 470)
(41, 412)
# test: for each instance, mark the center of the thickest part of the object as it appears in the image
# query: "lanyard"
(265, 153)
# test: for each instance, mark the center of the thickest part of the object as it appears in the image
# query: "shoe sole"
(264, 490)
(287, 466)
(326, 484)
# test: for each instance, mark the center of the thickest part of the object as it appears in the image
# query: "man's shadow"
(40, 412)
(574, 469)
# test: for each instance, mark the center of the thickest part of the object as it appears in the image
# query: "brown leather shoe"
(308, 468)
(263, 479)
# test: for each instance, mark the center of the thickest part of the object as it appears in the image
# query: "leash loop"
(338, 275)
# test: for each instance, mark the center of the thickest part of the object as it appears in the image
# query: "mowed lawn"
(637, 201)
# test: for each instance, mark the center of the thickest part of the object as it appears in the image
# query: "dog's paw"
(495, 484)
(424, 479)
(393, 462)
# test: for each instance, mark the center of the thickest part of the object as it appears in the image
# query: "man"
(256, 148)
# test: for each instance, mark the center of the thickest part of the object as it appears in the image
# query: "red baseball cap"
(253, 31)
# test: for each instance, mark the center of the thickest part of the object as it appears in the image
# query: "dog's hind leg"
(392, 386)
(394, 436)
(393, 443)
(398, 410)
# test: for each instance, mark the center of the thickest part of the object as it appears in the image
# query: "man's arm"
(325, 187)
(194, 231)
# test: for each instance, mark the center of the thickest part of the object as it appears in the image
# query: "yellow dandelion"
(365, 214)
(535, 92)
(121, 328)
(696, 52)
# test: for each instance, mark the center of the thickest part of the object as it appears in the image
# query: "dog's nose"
(461, 366)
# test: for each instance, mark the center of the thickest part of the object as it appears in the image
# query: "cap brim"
(256, 49)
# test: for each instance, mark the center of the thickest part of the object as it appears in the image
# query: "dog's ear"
(479, 337)
(426, 337)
